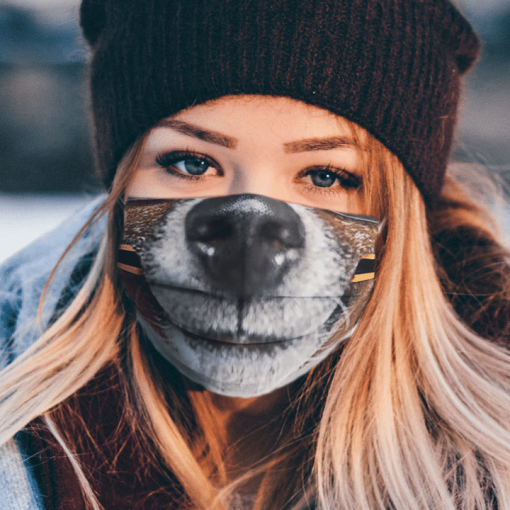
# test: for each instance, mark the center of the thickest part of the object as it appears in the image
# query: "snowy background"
(26, 217)
(45, 155)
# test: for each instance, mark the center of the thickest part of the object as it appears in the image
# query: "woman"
(264, 120)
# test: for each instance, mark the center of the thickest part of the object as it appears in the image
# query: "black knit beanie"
(392, 66)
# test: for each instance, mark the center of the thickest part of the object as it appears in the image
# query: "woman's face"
(246, 292)
(272, 146)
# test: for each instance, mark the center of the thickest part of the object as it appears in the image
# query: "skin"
(277, 147)
(262, 157)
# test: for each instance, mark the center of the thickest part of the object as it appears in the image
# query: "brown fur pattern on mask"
(236, 338)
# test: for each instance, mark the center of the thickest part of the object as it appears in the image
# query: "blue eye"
(328, 177)
(192, 166)
(323, 178)
(184, 164)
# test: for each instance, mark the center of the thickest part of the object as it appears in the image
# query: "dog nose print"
(246, 243)
(244, 294)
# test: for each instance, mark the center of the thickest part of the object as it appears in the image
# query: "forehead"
(265, 116)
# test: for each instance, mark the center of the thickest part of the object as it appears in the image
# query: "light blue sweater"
(22, 279)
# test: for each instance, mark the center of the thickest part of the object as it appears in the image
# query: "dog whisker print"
(241, 293)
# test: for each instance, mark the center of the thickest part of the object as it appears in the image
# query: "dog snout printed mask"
(244, 294)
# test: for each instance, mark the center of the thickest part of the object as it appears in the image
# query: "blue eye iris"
(327, 178)
(323, 178)
(186, 165)
(193, 166)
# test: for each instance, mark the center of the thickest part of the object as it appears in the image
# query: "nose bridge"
(257, 176)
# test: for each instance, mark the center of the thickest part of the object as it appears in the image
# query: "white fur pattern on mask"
(250, 347)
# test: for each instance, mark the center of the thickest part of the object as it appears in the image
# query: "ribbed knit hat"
(392, 66)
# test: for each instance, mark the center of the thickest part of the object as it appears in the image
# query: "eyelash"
(168, 159)
(346, 180)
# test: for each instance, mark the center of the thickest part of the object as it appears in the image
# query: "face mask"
(244, 294)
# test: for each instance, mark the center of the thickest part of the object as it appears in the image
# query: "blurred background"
(45, 156)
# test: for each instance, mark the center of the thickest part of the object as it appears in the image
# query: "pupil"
(323, 179)
(196, 166)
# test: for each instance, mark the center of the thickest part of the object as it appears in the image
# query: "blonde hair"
(412, 412)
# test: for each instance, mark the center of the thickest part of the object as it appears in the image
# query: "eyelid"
(341, 172)
(166, 159)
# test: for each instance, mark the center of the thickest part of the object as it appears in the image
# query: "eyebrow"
(197, 132)
(319, 144)
(306, 145)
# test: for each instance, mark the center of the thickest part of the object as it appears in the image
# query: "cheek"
(350, 202)
(356, 203)
(155, 182)
(143, 185)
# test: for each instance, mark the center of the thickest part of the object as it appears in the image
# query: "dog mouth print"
(244, 293)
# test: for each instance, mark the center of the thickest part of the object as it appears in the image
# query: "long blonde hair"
(412, 412)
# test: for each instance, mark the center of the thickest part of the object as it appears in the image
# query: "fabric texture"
(392, 66)
(22, 279)
(24, 275)
(122, 470)
(16, 487)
